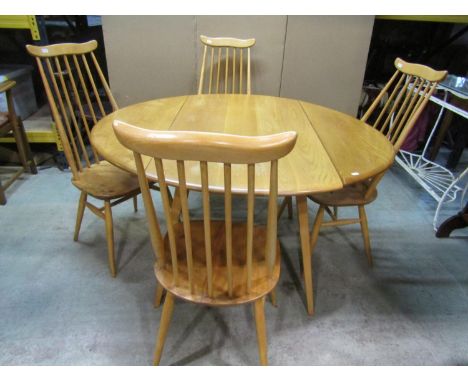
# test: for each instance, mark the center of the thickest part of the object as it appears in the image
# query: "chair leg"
(2, 195)
(365, 234)
(333, 214)
(158, 294)
(20, 144)
(290, 207)
(110, 237)
(259, 311)
(282, 207)
(176, 207)
(273, 297)
(79, 214)
(287, 201)
(27, 149)
(315, 233)
(135, 203)
(166, 316)
(316, 227)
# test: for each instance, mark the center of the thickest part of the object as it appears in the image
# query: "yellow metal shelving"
(21, 22)
(29, 22)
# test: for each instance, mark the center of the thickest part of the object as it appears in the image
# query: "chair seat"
(106, 181)
(352, 195)
(261, 283)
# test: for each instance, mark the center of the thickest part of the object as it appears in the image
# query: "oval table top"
(332, 150)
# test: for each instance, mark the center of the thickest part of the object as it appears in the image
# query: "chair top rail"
(227, 42)
(205, 146)
(61, 49)
(420, 70)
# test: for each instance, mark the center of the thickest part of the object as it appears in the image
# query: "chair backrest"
(227, 71)
(70, 74)
(408, 90)
(407, 94)
(204, 147)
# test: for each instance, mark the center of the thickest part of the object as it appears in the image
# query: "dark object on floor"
(457, 221)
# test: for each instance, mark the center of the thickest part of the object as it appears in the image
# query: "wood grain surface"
(333, 149)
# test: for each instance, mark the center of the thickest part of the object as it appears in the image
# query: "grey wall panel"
(150, 56)
(266, 55)
(321, 59)
(325, 59)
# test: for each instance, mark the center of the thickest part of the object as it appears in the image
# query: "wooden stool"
(10, 123)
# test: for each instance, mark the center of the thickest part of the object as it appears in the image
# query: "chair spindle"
(248, 71)
(167, 212)
(207, 225)
(211, 69)
(270, 245)
(109, 95)
(233, 70)
(250, 222)
(228, 224)
(226, 71)
(241, 69)
(219, 70)
(186, 221)
(157, 241)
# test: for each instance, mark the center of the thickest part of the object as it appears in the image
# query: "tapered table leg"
(303, 217)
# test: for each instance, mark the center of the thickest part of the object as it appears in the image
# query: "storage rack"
(31, 23)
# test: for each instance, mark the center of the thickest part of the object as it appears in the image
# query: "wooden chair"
(229, 74)
(78, 96)
(408, 91)
(217, 263)
(10, 123)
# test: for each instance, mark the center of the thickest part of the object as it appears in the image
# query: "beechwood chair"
(407, 93)
(79, 97)
(216, 263)
(228, 69)
(225, 69)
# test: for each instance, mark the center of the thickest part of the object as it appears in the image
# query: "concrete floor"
(59, 306)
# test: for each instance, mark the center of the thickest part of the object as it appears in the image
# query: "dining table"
(333, 149)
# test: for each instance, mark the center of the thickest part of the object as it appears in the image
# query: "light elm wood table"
(333, 149)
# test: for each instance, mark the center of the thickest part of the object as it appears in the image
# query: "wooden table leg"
(303, 216)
